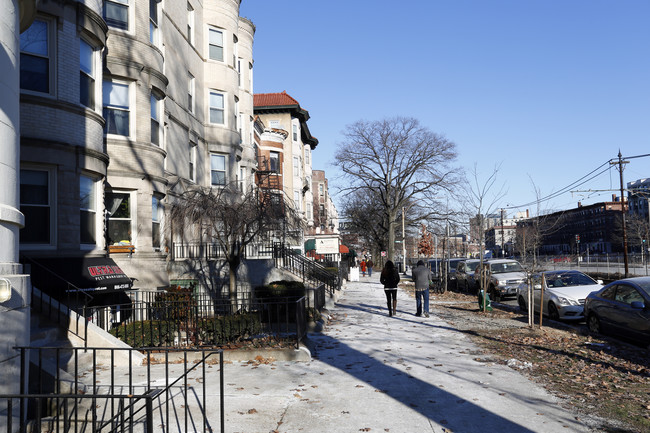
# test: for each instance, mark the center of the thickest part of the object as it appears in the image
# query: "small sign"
(383, 253)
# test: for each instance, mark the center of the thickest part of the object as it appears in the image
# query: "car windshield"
(453, 264)
(568, 279)
(502, 268)
(471, 266)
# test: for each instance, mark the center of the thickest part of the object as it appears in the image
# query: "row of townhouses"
(112, 110)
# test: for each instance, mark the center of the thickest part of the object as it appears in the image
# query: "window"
(87, 75)
(190, 24)
(321, 189)
(215, 45)
(217, 108)
(116, 108)
(295, 132)
(155, 222)
(274, 158)
(155, 119)
(154, 33)
(35, 57)
(250, 77)
(296, 200)
(307, 156)
(36, 204)
(192, 161)
(296, 166)
(234, 51)
(191, 87)
(240, 123)
(88, 210)
(118, 206)
(239, 72)
(116, 13)
(242, 179)
(235, 113)
(217, 170)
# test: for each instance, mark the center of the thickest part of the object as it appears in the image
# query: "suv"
(504, 277)
(465, 275)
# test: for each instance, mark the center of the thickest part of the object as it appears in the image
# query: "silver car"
(564, 293)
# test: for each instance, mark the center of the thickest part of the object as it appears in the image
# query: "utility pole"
(620, 163)
(503, 242)
(403, 239)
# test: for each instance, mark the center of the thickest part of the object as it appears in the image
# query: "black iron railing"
(107, 376)
(311, 272)
(200, 320)
(79, 413)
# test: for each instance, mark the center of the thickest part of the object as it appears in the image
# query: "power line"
(586, 178)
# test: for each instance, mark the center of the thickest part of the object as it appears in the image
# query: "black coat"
(389, 279)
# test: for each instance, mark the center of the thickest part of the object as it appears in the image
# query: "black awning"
(72, 274)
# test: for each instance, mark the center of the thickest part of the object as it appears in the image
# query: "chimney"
(579, 204)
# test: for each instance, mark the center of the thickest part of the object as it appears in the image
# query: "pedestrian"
(369, 265)
(390, 278)
(363, 267)
(421, 277)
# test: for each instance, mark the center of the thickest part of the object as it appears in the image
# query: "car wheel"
(553, 312)
(593, 323)
(522, 305)
(496, 297)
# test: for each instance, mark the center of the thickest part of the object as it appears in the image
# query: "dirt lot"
(605, 380)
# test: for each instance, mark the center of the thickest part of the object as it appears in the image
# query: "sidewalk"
(374, 373)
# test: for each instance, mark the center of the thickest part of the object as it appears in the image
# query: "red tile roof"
(273, 99)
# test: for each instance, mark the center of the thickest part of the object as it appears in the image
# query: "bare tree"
(232, 219)
(398, 161)
(482, 199)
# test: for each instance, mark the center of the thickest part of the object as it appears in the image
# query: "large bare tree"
(231, 219)
(397, 161)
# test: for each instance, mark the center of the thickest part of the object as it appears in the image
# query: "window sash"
(87, 210)
(217, 108)
(116, 14)
(35, 204)
(86, 75)
(35, 58)
(119, 220)
(116, 108)
(216, 45)
(218, 170)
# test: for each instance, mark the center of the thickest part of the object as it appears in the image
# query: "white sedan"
(564, 293)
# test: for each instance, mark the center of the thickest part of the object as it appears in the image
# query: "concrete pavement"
(374, 373)
(369, 373)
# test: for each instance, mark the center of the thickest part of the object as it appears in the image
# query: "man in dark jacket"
(421, 276)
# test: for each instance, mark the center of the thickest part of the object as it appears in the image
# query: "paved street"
(374, 373)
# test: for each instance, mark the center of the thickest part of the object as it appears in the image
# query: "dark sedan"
(621, 308)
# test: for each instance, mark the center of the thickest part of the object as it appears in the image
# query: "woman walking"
(390, 278)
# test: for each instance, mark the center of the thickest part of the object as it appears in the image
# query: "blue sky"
(548, 89)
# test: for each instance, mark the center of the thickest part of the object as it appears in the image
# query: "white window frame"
(92, 209)
(220, 157)
(190, 23)
(294, 135)
(191, 92)
(131, 218)
(90, 74)
(307, 157)
(192, 162)
(296, 166)
(274, 156)
(297, 200)
(129, 14)
(156, 220)
(217, 108)
(128, 109)
(50, 55)
(51, 205)
(154, 23)
(216, 31)
(156, 121)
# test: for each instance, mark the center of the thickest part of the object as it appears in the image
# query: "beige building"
(124, 106)
(287, 145)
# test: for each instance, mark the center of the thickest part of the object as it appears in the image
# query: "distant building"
(595, 228)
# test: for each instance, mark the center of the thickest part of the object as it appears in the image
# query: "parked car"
(564, 293)
(621, 308)
(465, 275)
(452, 265)
(504, 277)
